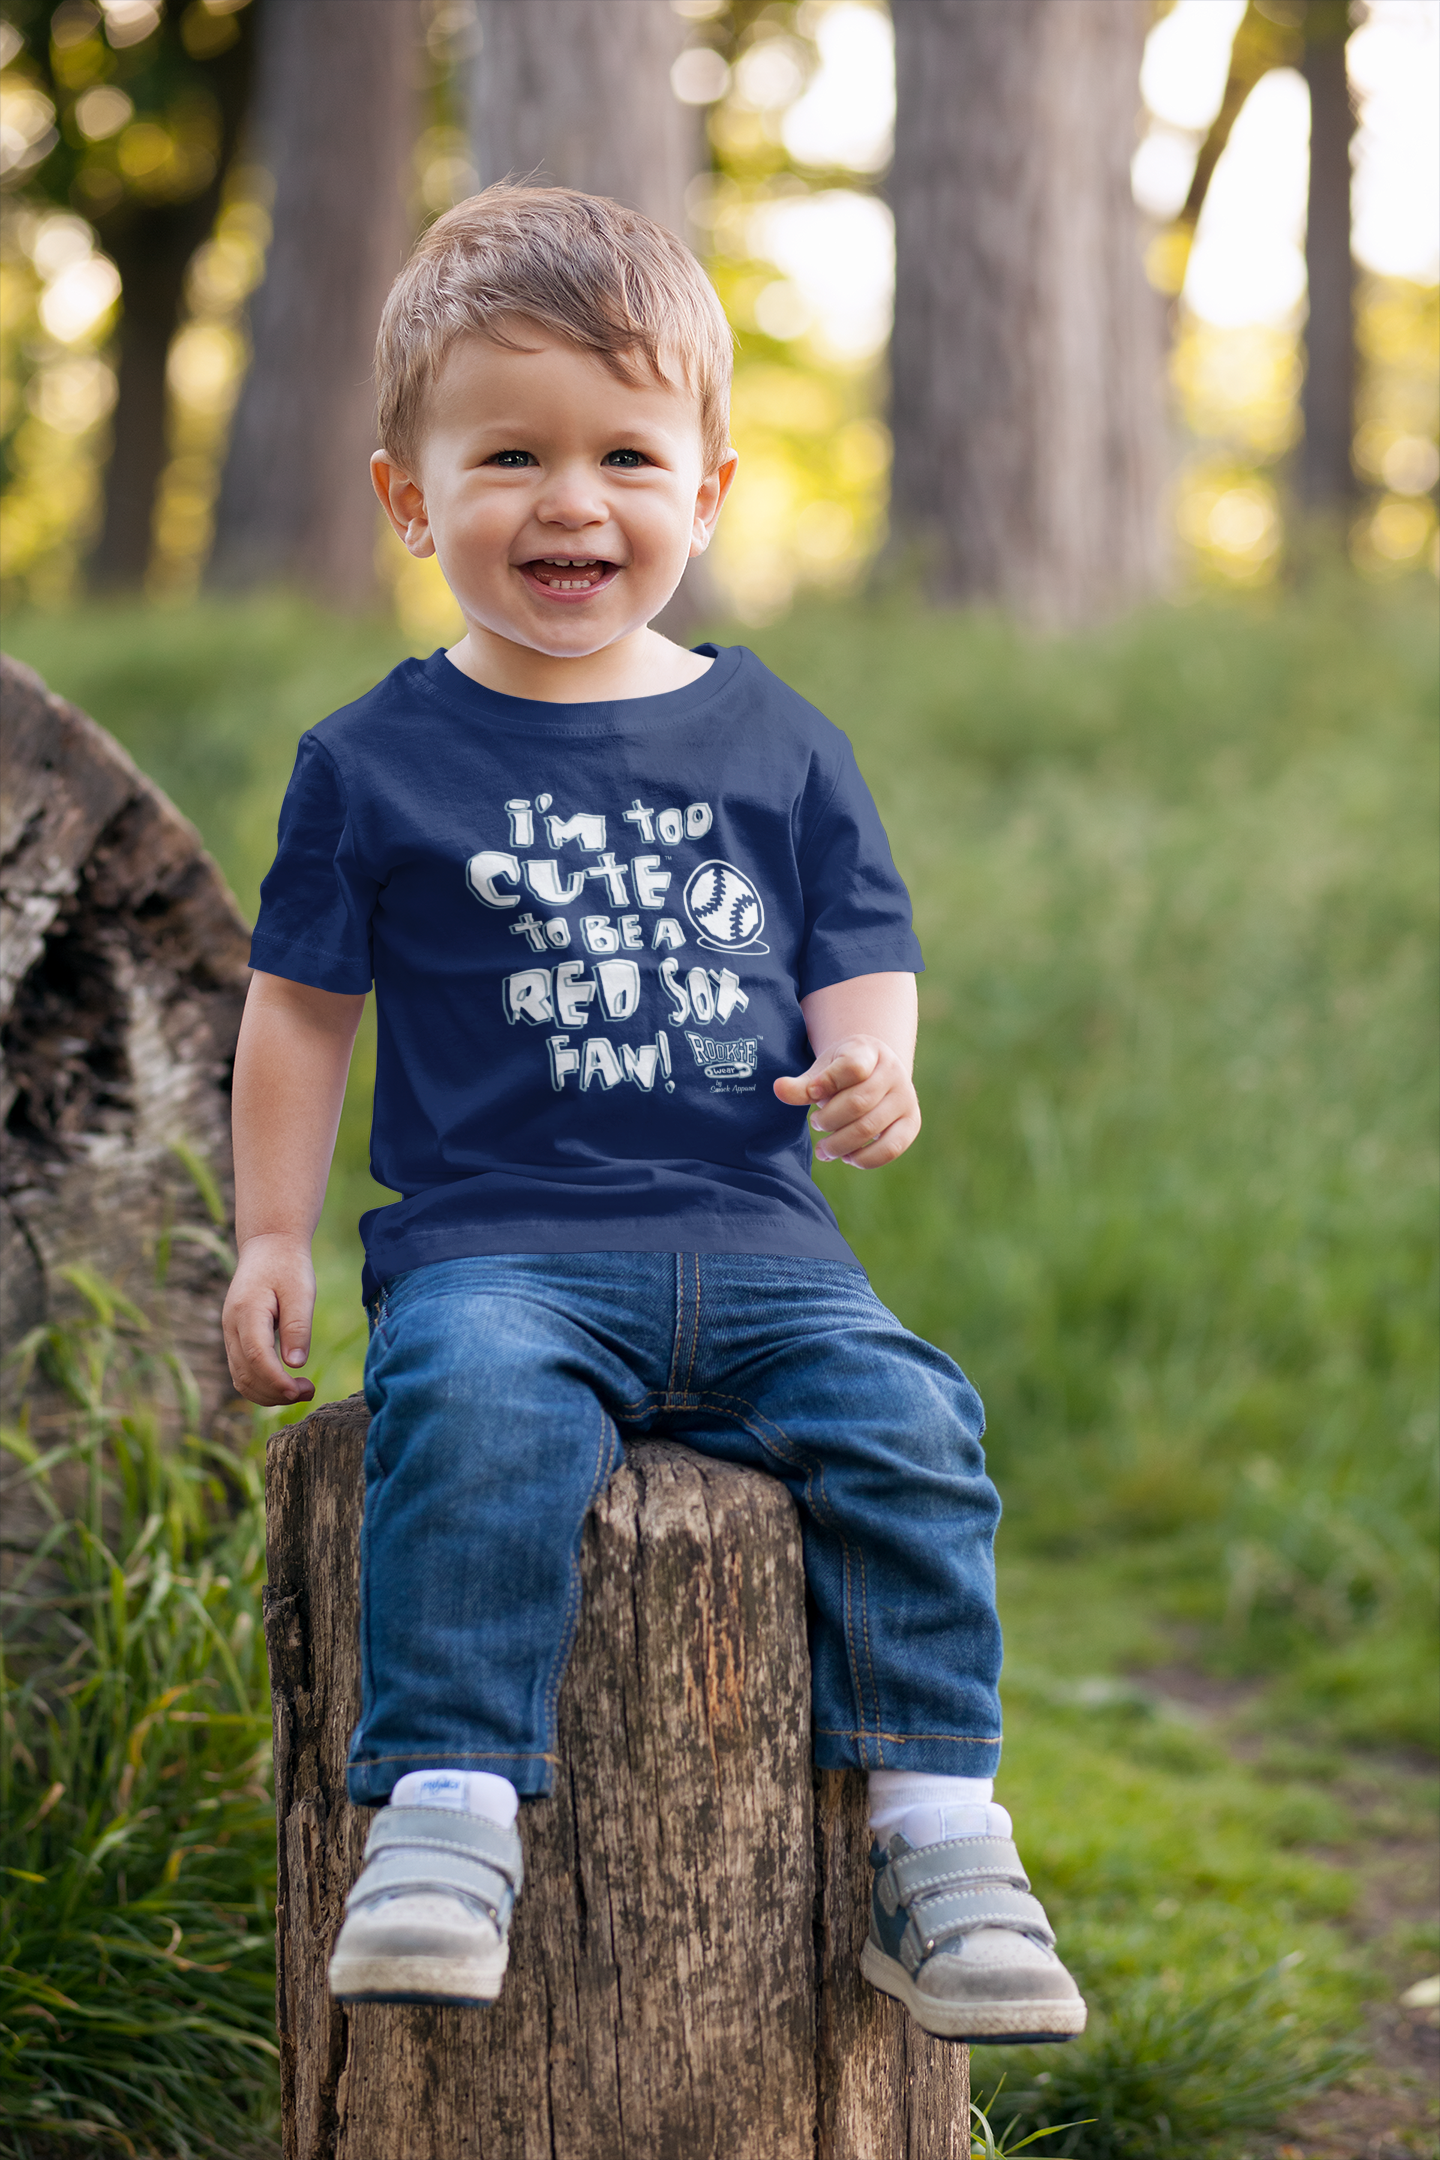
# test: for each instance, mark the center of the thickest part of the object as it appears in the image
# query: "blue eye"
(627, 460)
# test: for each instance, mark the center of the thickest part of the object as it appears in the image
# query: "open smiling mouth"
(567, 576)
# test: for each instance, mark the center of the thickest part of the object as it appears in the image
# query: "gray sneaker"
(429, 1917)
(955, 1936)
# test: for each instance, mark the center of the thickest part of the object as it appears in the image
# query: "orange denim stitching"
(870, 1659)
(839, 1732)
(679, 1323)
(694, 1327)
(424, 1757)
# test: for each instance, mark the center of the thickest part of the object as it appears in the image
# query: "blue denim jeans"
(502, 1389)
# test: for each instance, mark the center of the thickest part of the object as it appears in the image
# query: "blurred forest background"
(1117, 561)
(170, 155)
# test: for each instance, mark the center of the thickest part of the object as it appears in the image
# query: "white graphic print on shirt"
(725, 908)
(720, 903)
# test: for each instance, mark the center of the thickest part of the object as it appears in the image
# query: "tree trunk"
(1027, 347)
(152, 278)
(123, 979)
(683, 1976)
(1327, 478)
(576, 93)
(337, 117)
(151, 245)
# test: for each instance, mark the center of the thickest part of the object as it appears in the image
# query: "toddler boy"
(630, 914)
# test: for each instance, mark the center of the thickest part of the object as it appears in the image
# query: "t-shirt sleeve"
(316, 901)
(857, 910)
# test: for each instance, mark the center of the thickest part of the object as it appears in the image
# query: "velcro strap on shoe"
(436, 1830)
(937, 1920)
(957, 1862)
(398, 1868)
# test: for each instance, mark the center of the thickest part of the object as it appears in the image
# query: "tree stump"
(683, 1981)
(124, 975)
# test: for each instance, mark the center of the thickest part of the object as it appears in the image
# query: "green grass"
(1175, 1205)
(1172, 2072)
(1174, 1209)
(137, 1857)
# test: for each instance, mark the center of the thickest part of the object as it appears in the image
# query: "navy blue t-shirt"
(589, 928)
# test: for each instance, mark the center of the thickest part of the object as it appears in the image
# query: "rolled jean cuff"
(940, 1754)
(370, 1784)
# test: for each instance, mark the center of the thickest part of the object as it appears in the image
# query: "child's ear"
(712, 492)
(403, 503)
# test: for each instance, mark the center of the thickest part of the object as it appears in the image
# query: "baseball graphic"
(725, 909)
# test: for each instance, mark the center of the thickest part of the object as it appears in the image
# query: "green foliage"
(137, 1856)
(128, 122)
(1166, 2077)
(988, 2144)
(177, 78)
(1173, 1208)
(1205, 1905)
(1174, 1204)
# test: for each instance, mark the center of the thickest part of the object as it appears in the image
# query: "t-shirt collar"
(469, 700)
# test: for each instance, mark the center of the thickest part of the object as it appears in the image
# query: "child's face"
(563, 504)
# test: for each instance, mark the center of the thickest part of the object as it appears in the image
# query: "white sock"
(463, 1792)
(927, 1809)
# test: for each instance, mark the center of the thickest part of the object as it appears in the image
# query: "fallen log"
(122, 977)
(683, 1981)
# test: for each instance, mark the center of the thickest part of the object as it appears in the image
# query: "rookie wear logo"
(725, 1060)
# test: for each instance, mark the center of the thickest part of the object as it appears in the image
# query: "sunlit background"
(1174, 877)
(793, 225)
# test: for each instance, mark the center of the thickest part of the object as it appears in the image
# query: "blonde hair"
(583, 268)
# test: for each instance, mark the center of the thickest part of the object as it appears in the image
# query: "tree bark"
(124, 974)
(576, 93)
(1027, 347)
(683, 1975)
(151, 245)
(152, 276)
(337, 117)
(1327, 476)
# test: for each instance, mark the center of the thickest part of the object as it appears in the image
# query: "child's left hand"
(865, 1110)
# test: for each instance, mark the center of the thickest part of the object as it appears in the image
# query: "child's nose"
(572, 499)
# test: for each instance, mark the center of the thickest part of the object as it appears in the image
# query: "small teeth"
(592, 567)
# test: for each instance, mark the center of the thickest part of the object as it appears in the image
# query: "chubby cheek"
(474, 544)
(662, 540)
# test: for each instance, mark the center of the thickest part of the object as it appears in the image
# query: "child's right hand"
(272, 1294)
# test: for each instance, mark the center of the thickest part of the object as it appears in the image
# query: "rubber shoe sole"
(995, 2024)
(375, 1977)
